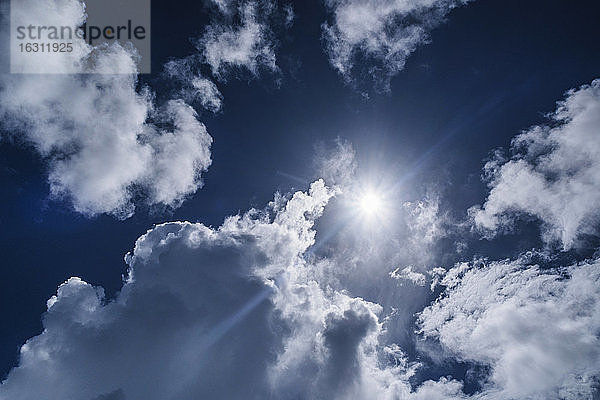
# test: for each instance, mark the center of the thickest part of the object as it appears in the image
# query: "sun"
(370, 203)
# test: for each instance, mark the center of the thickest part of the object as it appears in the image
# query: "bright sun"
(370, 204)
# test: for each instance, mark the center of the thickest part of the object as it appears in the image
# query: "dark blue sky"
(494, 69)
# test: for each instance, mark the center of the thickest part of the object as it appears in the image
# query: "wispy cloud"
(535, 329)
(370, 39)
(250, 44)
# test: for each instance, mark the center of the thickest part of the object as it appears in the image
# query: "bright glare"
(370, 203)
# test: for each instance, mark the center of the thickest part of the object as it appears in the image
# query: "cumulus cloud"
(238, 311)
(553, 173)
(537, 329)
(223, 313)
(107, 145)
(376, 37)
(194, 316)
(99, 134)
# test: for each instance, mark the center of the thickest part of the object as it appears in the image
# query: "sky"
(338, 199)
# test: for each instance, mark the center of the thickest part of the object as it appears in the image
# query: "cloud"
(537, 329)
(375, 38)
(359, 251)
(408, 274)
(194, 316)
(188, 144)
(239, 311)
(192, 86)
(223, 5)
(336, 163)
(209, 94)
(106, 144)
(240, 37)
(426, 223)
(227, 45)
(553, 173)
(223, 313)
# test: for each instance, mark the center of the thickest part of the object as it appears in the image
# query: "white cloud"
(240, 36)
(425, 222)
(106, 143)
(223, 5)
(209, 94)
(337, 163)
(436, 274)
(189, 144)
(237, 311)
(194, 87)
(380, 34)
(193, 317)
(96, 130)
(360, 252)
(554, 173)
(223, 313)
(408, 274)
(227, 46)
(537, 329)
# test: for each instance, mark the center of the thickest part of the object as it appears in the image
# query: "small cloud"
(375, 39)
(409, 275)
(337, 163)
(227, 45)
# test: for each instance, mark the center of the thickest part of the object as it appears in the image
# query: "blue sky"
(510, 231)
